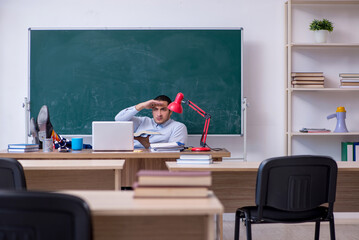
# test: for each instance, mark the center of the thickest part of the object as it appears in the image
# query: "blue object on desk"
(77, 143)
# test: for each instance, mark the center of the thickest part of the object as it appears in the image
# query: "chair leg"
(236, 226)
(317, 230)
(249, 229)
(332, 229)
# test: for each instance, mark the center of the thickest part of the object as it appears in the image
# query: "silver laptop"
(112, 136)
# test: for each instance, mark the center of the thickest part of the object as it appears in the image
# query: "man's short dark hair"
(163, 98)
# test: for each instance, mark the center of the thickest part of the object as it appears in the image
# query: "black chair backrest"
(43, 216)
(296, 183)
(11, 175)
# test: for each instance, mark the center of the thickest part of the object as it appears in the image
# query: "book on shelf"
(307, 74)
(314, 130)
(356, 151)
(307, 82)
(349, 75)
(141, 191)
(145, 133)
(349, 84)
(167, 178)
(196, 156)
(309, 86)
(347, 151)
(350, 151)
(356, 80)
(194, 161)
(22, 145)
(308, 78)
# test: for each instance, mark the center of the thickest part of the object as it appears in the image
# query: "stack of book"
(166, 184)
(314, 130)
(307, 80)
(349, 80)
(23, 147)
(350, 151)
(167, 147)
(195, 159)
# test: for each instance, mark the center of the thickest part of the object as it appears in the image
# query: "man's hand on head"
(149, 104)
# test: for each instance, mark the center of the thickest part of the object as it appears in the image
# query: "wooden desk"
(234, 183)
(135, 161)
(117, 215)
(74, 174)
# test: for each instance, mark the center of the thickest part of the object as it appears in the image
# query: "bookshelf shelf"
(311, 106)
(324, 134)
(327, 45)
(323, 89)
(324, 2)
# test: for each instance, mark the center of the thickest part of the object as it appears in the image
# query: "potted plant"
(321, 29)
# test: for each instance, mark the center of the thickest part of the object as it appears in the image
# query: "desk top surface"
(236, 166)
(122, 203)
(90, 154)
(41, 164)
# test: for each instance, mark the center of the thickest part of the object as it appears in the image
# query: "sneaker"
(43, 122)
(34, 131)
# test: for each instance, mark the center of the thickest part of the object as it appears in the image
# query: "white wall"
(262, 20)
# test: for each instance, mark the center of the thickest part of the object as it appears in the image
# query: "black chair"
(11, 175)
(292, 190)
(43, 216)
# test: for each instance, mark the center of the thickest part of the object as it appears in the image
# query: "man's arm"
(127, 114)
(148, 104)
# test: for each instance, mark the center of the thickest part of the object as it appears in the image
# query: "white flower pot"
(321, 36)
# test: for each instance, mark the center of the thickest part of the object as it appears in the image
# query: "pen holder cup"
(76, 144)
(47, 145)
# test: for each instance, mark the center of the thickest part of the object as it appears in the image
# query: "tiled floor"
(346, 229)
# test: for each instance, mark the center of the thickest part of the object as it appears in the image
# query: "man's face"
(161, 113)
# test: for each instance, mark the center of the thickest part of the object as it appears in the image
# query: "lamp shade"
(176, 105)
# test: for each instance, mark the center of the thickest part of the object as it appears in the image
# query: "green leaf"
(324, 24)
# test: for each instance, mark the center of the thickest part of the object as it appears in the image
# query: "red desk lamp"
(176, 106)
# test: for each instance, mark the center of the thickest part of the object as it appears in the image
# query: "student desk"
(75, 174)
(134, 161)
(117, 215)
(234, 183)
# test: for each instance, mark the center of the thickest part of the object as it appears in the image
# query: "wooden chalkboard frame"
(241, 110)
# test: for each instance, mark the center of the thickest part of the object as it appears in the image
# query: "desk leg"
(212, 230)
(220, 227)
(117, 179)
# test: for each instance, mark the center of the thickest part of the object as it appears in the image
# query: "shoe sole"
(42, 118)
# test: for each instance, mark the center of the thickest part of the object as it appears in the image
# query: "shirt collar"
(162, 125)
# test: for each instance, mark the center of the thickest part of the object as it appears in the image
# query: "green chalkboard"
(90, 75)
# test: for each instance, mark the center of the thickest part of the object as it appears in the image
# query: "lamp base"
(201, 149)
